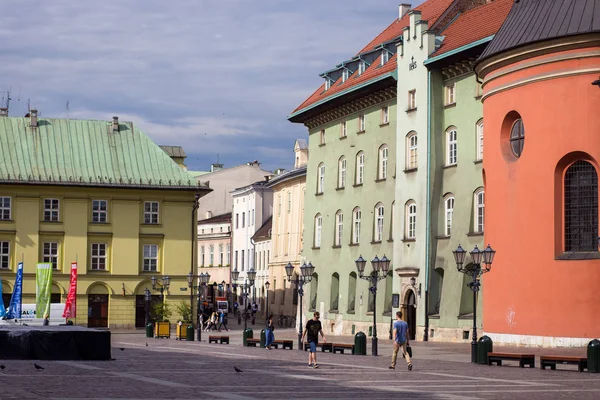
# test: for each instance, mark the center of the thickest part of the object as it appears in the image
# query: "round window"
(517, 137)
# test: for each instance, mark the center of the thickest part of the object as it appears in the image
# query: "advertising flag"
(43, 289)
(2, 309)
(71, 304)
(14, 308)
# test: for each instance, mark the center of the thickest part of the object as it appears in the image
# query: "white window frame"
(100, 211)
(360, 168)
(356, 221)
(339, 228)
(450, 95)
(211, 255)
(412, 99)
(150, 257)
(51, 210)
(448, 214)
(362, 66)
(5, 208)
(361, 123)
(318, 230)
(320, 178)
(379, 221)
(479, 220)
(385, 56)
(151, 212)
(383, 161)
(50, 253)
(322, 137)
(385, 115)
(327, 83)
(98, 253)
(411, 220)
(342, 164)
(451, 146)
(244, 219)
(227, 254)
(343, 129)
(202, 254)
(4, 254)
(479, 144)
(411, 152)
(345, 75)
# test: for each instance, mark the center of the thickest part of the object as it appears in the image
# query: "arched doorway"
(56, 294)
(98, 306)
(6, 293)
(140, 304)
(409, 309)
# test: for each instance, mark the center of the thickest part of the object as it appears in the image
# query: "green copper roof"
(85, 153)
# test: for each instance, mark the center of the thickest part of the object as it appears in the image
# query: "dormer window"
(327, 83)
(385, 56)
(361, 67)
(345, 74)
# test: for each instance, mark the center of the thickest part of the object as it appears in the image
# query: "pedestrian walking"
(311, 332)
(270, 336)
(400, 337)
(223, 321)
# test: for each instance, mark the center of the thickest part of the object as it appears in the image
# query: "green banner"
(43, 290)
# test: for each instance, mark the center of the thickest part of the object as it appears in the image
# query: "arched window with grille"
(320, 178)
(448, 213)
(339, 227)
(411, 219)
(581, 207)
(360, 168)
(342, 172)
(479, 208)
(378, 228)
(383, 162)
(356, 217)
(318, 230)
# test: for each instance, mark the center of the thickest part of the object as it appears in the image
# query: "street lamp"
(164, 286)
(203, 279)
(475, 271)
(306, 273)
(380, 271)
(248, 283)
(147, 297)
(267, 284)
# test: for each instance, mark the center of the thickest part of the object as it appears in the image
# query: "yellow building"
(101, 194)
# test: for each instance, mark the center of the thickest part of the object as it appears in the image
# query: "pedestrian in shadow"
(270, 336)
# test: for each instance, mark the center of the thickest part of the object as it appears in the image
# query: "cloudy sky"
(214, 76)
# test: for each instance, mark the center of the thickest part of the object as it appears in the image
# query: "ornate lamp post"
(267, 284)
(475, 271)
(306, 273)
(164, 286)
(248, 283)
(203, 279)
(147, 297)
(380, 271)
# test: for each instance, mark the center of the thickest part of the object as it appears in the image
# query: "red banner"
(71, 304)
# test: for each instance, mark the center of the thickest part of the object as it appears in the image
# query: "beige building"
(214, 254)
(287, 232)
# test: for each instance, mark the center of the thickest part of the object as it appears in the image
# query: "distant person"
(254, 309)
(400, 337)
(222, 321)
(46, 320)
(270, 336)
(311, 332)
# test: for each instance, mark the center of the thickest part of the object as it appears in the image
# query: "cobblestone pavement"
(170, 369)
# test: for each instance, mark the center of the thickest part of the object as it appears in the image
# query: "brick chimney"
(33, 116)
(115, 124)
(403, 9)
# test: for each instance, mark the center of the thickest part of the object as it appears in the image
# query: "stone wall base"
(446, 335)
(344, 328)
(537, 341)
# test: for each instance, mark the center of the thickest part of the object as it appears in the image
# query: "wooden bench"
(523, 359)
(285, 344)
(218, 339)
(250, 342)
(340, 347)
(551, 361)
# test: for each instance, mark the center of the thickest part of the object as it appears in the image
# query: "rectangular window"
(361, 67)
(385, 56)
(5, 208)
(450, 94)
(236, 259)
(50, 254)
(451, 158)
(327, 83)
(480, 141)
(99, 211)
(51, 208)
(151, 212)
(99, 256)
(412, 99)
(340, 229)
(322, 136)
(150, 258)
(237, 221)
(345, 75)
(4, 255)
(361, 123)
(243, 219)
(221, 255)
(243, 259)
(212, 255)
(228, 254)
(385, 115)
(343, 130)
(202, 256)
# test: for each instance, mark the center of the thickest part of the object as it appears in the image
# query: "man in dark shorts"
(311, 332)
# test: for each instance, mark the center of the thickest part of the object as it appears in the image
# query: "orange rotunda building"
(541, 102)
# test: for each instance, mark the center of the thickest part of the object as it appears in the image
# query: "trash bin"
(360, 344)
(593, 356)
(150, 330)
(485, 345)
(263, 338)
(247, 334)
(189, 333)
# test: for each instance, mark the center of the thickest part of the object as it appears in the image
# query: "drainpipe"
(427, 208)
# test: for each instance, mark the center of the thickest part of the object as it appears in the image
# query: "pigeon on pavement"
(37, 366)
(237, 369)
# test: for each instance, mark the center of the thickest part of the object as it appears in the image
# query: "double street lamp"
(474, 270)
(248, 283)
(203, 279)
(380, 271)
(164, 286)
(306, 273)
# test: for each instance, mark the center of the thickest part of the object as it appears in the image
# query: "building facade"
(541, 96)
(289, 192)
(262, 253)
(214, 255)
(101, 194)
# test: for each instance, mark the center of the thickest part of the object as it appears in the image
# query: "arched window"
(356, 216)
(392, 220)
(320, 178)
(339, 227)
(318, 230)
(335, 292)
(448, 213)
(479, 144)
(383, 162)
(479, 203)
(581, 207)
(342, 172)
(378, 229)
(451, 146)
(411, 219)
(314, 287)
(517, 137)
(411, 150)
(351, 292)
(360, 168)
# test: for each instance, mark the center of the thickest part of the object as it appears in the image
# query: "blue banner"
(2, 309)
(14, 308)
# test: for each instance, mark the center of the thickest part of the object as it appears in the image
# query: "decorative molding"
(459, 68)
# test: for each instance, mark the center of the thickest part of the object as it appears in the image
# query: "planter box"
(162, 330)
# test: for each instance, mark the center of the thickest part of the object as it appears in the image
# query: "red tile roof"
(473, 25)
(431, 10)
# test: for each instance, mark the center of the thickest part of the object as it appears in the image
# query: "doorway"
(140, 309)
(97, 311)
(410, 309)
